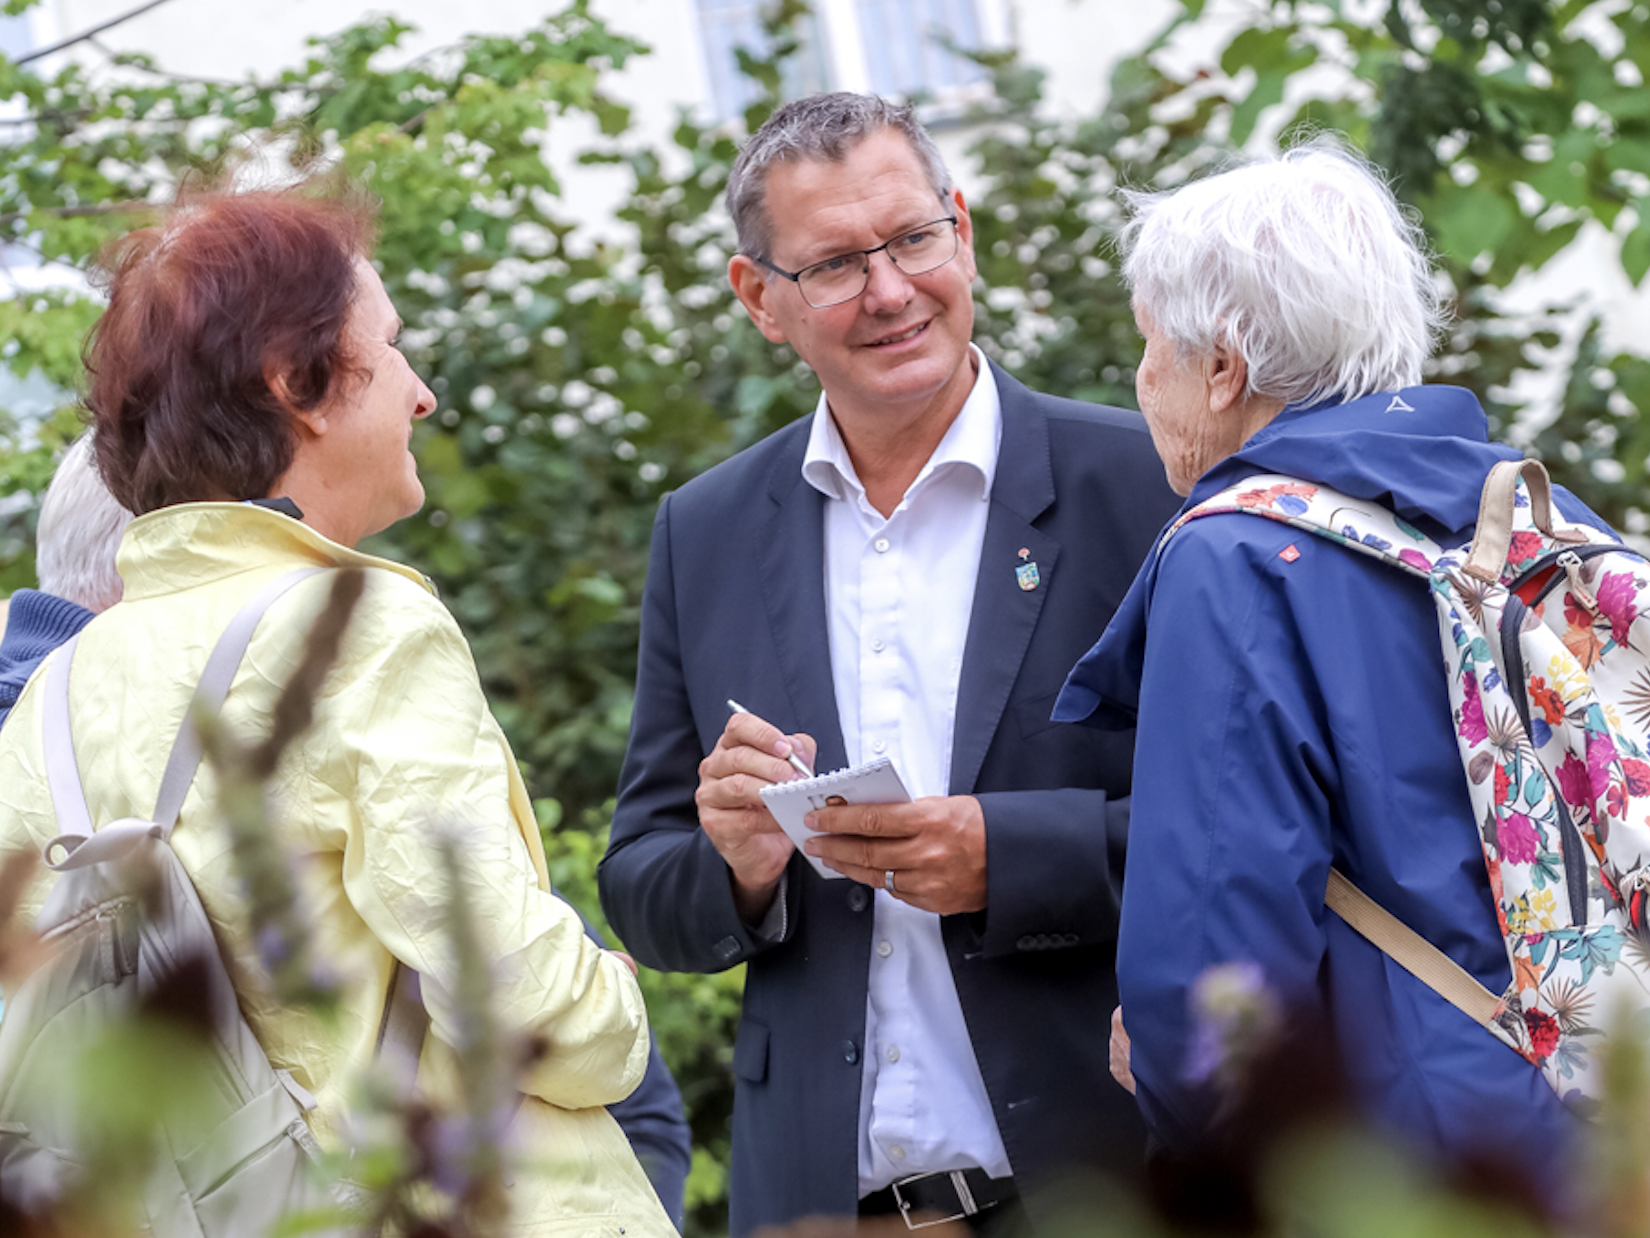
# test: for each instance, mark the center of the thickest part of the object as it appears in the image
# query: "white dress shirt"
(899, 594)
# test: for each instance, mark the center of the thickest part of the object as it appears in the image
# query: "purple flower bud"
(1234, 1017)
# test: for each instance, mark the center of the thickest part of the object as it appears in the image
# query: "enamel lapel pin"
(1026, 573)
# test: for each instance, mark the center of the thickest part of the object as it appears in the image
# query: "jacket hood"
(1422, 451)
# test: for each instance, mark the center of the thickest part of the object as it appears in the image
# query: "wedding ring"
(888, 881)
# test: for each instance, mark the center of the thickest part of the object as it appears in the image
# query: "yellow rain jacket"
(402, 741)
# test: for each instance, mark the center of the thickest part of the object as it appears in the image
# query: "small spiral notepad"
(876, 782)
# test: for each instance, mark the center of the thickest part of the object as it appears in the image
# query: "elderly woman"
(80, 527)
(252, 406)
(1292, 706)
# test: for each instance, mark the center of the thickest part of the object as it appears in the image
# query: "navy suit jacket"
(735, 607)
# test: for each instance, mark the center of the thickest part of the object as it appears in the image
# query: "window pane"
(901, 51)
(728, 24)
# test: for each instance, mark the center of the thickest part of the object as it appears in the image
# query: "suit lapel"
(1005, 613)
(791, 559)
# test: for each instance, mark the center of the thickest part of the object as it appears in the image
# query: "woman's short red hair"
(229, 291)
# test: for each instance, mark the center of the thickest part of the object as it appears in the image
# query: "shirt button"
(885, 948)
(877, 646)
(881, 545)
(880, 746)
(897, 1152)
(893, 1053)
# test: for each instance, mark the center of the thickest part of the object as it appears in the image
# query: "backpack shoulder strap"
(1358, 524)
(62, 770)
(211, 692)
(77, 839)
(1407, 948)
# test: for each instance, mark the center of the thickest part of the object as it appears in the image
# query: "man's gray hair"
(823, 127)
(1303, 263)
(79, 532)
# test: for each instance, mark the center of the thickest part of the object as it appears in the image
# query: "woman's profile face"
(1174, 398)
(369, 428)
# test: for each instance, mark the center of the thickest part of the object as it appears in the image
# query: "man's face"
(902, 344)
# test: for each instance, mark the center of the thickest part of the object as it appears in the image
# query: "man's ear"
(314, 420)
(965, 233)
(1227, 374)
(753, 286)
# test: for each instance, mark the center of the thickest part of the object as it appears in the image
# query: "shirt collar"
(971, 442)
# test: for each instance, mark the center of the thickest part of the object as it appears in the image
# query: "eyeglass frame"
(796, 276)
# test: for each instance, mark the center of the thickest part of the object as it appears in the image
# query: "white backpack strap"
(62, 770)
(1407, 948)
(80, 845)
(210, 693)
(1358, 524)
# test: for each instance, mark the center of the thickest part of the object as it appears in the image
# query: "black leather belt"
(933, 1199)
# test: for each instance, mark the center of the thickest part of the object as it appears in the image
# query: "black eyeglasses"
(842, 278)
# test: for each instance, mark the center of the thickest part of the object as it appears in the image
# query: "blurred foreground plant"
(1288, 1153)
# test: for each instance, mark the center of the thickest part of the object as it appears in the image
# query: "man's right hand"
(749, 755)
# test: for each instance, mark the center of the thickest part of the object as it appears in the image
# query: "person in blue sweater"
(75, 543)
(1291, 703)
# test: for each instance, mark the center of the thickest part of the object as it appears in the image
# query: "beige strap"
(1407, 948)
(1493, 538)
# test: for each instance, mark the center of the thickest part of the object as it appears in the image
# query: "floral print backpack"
(1547, 647)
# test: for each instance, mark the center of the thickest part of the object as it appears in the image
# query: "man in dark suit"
(909, 573)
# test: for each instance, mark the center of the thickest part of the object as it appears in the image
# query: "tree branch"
(75, 212)
(87, 34)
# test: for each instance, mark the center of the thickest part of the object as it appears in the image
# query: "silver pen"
(797, 763)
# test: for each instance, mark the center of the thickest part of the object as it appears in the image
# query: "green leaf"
(1468, 221)
(1635, 247)
(1260, 48)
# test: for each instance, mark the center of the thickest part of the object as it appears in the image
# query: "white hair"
(79, 532)
(1303, 263)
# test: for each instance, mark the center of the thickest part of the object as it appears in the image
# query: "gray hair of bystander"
(79, 532)
(822, 127)
(1304, 263)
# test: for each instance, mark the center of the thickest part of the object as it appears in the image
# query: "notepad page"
(876, 782)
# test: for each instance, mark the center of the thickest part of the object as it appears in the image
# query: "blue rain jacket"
(1293, 714)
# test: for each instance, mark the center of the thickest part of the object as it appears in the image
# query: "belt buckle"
(959, 1184)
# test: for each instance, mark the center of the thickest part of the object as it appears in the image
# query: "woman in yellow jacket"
(252, 407)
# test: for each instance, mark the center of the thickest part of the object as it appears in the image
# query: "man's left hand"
(935, 848)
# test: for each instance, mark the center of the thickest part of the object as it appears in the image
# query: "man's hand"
(750, 755)
(934, 846)
(1119, 1052)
